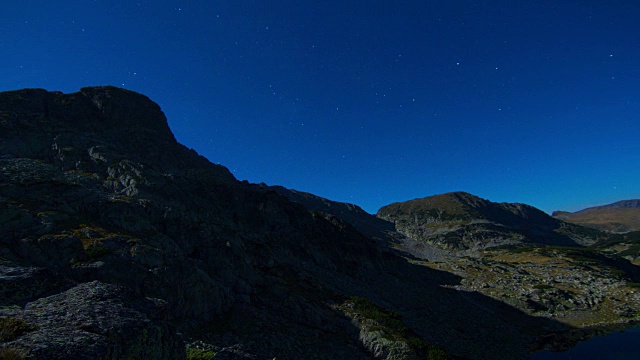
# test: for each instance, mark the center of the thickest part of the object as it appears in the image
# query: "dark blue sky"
(368, 102)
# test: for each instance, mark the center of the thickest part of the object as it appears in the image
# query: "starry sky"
(368, 102)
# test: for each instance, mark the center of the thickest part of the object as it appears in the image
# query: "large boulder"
(94, 321)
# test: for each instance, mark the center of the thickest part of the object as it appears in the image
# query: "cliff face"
(96, 192)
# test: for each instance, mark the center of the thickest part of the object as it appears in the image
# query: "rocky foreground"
(117, 242)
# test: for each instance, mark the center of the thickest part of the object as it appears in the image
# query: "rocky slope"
(353, 214)
(105, 216)
(383, 231)
(579, 286)
(619, 217)
(519, 255)
(463, 222)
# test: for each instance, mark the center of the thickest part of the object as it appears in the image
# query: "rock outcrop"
(96, 321)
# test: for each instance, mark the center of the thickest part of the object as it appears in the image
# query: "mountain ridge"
(95, 192)
(457, 220)
(618, 217)
(571, 282)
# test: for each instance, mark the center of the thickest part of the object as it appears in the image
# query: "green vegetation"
(197, 354)
(631, 251)
(9, 353)
(94, 248)
(13, 327)
(617, 239)
(577, 254)
(390, 323)
(384, 317)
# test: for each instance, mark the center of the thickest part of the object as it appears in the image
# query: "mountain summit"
(460, 221)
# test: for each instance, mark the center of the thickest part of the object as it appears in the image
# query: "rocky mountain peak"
(454, 220)
(127, 109)
(93, 129)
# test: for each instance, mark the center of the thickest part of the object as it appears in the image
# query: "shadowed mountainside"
(619, 217)
(363, 221)
(104, 213)
(580, 286)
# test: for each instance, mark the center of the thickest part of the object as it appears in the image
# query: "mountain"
(619, 217)
(519, 255)
(118, 242)
(459, 221)
(582, 286)
(383, 231)
(353, 214)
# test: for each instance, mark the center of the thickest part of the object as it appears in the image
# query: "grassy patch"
(13, 327)
(384, 317)
(94, 248)
(631, 251)
(9, 353)
(391, 324)
(197, 354)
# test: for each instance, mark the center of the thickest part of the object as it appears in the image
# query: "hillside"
(521, 256)
(619, 217)
(118, 242)
(580, 286)
(380, 230)
(463, 222)
(353, 214)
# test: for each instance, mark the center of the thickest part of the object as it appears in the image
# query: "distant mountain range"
(619, 217)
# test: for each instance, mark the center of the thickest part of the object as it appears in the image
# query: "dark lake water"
(619, 345)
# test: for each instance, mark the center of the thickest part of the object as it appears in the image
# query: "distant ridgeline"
(619, 217)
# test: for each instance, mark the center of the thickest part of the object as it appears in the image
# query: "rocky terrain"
(118, 242)
(519, 256)
(461, 222)
(619, 217)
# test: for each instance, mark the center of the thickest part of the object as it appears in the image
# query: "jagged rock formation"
(619, 217)
(95, 191)
(460, 222)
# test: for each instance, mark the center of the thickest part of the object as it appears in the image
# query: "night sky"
(367, 102)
